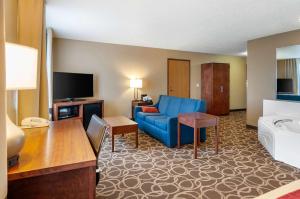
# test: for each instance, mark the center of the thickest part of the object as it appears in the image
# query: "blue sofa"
(163, 125)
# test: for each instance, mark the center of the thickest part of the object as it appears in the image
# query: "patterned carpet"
(242, 169)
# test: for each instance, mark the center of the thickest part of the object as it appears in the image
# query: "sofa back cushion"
(172, 106)
(192, 105)
(163, 104)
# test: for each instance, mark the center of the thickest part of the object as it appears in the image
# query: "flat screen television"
(285, 86)
(72, 85)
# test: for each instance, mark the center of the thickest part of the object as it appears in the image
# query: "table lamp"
(136, 84)
(21, 74)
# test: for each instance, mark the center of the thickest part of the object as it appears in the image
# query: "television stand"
(82, 109)
(71, 100)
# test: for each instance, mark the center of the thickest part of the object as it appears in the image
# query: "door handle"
(222, 89)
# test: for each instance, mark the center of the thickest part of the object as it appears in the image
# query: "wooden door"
(179, 78)
(221, 88)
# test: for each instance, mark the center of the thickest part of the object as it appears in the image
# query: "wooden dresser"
(215, 87)
(55, 162)
(85, 109)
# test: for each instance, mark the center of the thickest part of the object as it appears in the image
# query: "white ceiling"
(288, 52)
(212, 26)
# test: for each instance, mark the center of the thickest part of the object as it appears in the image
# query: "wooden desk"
(55, 162)
(198, 120)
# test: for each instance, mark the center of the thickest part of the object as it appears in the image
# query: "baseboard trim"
(251, 127)
(241, 109)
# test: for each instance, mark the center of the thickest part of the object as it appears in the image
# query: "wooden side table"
(135, 103)
(198, 120)
(121, 125)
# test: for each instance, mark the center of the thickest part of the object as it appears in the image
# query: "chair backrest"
(95, 132)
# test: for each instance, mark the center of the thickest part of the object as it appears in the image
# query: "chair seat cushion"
(142, 115)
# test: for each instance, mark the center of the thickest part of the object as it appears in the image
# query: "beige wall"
(114, 65)
(261, 70)
(3, 156)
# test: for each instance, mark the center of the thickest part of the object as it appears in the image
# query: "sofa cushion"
(151, 119)
(163, 104)
(188, 105)
(173, 106)
(158, 121)
(142, 115)
(161, 123)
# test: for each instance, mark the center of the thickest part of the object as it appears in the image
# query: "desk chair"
(95, 132)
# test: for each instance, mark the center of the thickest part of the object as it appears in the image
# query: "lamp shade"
(136, 83)
(21, 67)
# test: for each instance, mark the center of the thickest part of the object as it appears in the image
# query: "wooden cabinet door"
(207, 86)
(221, 89)
(179, 78)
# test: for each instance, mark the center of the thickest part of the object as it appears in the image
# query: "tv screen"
(285, 86)
(72, 85)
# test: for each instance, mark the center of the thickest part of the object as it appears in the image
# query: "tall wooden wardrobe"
(215, 87)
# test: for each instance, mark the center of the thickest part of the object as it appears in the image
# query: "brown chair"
(95, 132)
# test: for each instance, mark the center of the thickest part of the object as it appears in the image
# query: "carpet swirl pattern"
(242, 169)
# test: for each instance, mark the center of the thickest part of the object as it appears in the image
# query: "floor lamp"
(21, 74)
(136, 84)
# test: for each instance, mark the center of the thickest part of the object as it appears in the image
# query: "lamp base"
(15, 140)
(12, 161)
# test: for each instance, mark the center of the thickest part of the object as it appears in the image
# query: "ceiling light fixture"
(244, 54)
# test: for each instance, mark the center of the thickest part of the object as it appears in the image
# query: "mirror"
(288, 73)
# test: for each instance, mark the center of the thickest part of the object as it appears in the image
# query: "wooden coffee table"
(121, 125)
(198, 120)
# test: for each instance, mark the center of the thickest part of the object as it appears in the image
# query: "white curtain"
(291, 71)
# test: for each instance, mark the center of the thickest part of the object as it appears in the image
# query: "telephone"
(147, 98)
(34, 122)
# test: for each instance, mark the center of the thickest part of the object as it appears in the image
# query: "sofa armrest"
(172, 125)
(136, 110)
(203, 107)
(173, 120)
